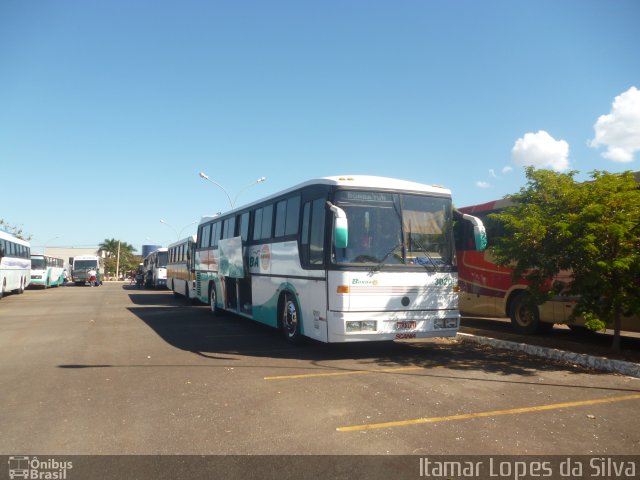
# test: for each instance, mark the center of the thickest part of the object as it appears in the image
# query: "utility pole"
(118, 262)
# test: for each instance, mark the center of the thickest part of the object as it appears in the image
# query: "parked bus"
(337, 259)
(181, 277)
(155, 268)
(488, 290)
(82, 265)
(15, 264)
(46, 271)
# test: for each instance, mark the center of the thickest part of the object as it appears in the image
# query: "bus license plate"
(405, 325)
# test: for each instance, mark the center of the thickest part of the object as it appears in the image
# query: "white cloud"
(492, 172)
(507, 169)
(619, 131)
(541, 150)
(481, 184)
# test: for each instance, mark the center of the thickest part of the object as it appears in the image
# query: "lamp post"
(231, 203)
(44, 247)
(181, 230)
(206, 177)
(255, 182)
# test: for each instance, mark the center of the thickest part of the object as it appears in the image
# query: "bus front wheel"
(290, 318)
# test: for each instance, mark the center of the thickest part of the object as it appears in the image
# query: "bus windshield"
(38, 263)
(85, 264)
(395, 229)
(163, 258)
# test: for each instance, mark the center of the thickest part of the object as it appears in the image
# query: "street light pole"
(44, 247)
(255, 182)
(232, 203)
(178, 235)
(206, 177)
(174, 230)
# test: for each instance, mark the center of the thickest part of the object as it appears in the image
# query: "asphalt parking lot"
(115, 370)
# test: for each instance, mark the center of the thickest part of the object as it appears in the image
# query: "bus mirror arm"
(479, 232)
(340, 226)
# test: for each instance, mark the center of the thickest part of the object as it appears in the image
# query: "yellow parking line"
(467, 416)
(334, 374)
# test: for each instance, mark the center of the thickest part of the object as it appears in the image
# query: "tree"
(589, 229)
(111, 247)
(15, 231)
(117, 250)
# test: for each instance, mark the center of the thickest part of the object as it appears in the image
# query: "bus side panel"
(16, 272)
(485, 289)
(483, 285)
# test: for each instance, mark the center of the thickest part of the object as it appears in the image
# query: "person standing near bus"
(92, 275)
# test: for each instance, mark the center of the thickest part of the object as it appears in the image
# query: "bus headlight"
(362, 326)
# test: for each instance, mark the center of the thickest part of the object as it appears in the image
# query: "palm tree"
(110, 248)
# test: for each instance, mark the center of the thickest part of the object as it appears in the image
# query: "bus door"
(232, 269)
(244, 294)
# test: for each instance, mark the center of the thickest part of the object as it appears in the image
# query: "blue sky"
(109, 109)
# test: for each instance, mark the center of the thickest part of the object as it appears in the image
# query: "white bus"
(181, 277)
(337, 259)
(46, 271)
(155, 269)
(15, 264)
(82, 264)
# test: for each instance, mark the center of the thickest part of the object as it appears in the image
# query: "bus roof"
(357, 181)
(7, 236)
(184, 240)
(159, 250)
(488, 206)
(506, 202)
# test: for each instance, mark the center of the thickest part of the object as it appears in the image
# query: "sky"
(110, 109)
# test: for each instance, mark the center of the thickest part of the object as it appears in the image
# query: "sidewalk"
(588, 350)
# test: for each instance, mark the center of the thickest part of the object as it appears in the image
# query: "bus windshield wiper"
(426, 254)
(384, 259)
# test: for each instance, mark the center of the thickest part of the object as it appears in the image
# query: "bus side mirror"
(340, 226)
(480, 237)
(479, 232)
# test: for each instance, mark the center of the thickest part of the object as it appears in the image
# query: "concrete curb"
(596, 363)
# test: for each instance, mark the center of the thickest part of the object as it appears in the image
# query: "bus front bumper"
(372, 326)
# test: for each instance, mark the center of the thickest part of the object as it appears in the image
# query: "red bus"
(488, 290)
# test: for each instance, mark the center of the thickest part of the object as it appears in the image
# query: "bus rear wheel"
(213, 300)
(290, 318)
(525, 315)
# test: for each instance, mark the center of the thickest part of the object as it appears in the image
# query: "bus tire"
(289, 314)
(525, 315)
(213, 300)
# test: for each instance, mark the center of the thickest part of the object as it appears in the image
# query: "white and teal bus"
(181, 277)
(46, 271)
(338, 259)
(15, 264)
